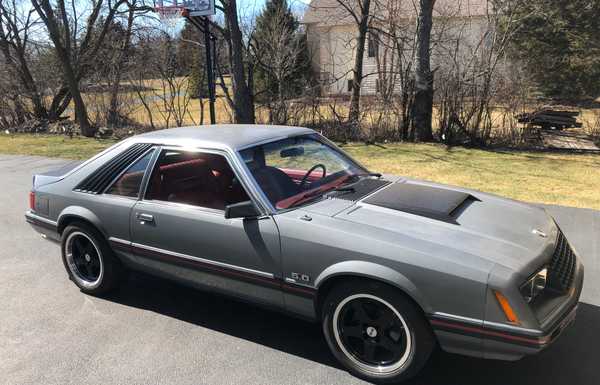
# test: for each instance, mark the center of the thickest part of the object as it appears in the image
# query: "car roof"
(221, 136)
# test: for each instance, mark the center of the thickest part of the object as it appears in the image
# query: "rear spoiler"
(54, 175)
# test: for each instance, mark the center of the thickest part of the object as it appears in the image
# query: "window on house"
(350, 82)
(373, 45)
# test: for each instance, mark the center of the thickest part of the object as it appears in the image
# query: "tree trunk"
(242, 94)
(59, 104)
(113, 110)
(423, 104)
(81, 115)
(357, 71)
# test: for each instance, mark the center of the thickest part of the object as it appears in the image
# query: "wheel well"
(69, 219)
(330, 283)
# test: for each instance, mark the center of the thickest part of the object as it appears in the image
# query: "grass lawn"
(52, 145)
(570, 180)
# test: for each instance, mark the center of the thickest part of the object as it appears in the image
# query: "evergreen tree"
(277, 30)
(559, 43)
(191, 59)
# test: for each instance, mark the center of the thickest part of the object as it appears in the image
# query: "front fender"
(377, 272)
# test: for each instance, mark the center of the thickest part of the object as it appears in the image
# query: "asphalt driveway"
(156, 332)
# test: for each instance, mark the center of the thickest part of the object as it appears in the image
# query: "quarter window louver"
(99, 180)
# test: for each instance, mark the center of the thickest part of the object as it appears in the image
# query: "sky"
(246, 9)
(250, 7)
(258, 4)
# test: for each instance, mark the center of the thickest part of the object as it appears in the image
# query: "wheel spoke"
(386, 319)
(88, 270)
(77, 245)
(90, 250)
(79, 264)
(369, 350)
(389, 344)
(373, 332)
(353, 331)
(359, 312)
(95, 262)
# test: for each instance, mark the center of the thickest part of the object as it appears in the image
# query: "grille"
(99, 180)
(562, 266)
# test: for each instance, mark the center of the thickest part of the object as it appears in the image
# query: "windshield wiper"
(308, 195)
(326, 191)
(350, 187)
(375, 174)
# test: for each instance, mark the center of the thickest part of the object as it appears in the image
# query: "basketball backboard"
(187, 7)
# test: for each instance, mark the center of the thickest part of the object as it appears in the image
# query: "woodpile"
(548, 119)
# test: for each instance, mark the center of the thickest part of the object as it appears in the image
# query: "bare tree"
(360, 14)
(118, 64)
(171, 90)
(76, 46)
(243, 99)
(21, 54)
(423, 103)
(475, 74)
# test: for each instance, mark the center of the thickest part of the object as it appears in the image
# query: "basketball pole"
(203, 24)
(209, 70)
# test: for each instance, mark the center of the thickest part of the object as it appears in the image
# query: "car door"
(178, 228)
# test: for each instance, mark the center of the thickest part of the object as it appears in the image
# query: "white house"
(331, 33)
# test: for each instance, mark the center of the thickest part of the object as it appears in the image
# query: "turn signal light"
(510, 314)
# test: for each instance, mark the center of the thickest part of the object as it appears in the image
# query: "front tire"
(88, 259)
(376, 332)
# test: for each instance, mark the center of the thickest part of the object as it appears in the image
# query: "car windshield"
(296, 170)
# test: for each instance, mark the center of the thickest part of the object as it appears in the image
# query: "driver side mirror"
(245, 209)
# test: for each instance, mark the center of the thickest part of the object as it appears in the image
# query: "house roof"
(220, 136)
(331, 12)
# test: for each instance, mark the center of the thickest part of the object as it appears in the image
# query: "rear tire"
(376, 332)
(88, 259)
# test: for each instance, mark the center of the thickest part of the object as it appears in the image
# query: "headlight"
(534, 285)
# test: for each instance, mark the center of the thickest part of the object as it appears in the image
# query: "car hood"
(516, 235)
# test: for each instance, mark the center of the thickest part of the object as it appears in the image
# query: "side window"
(129, 183)
(195, 178)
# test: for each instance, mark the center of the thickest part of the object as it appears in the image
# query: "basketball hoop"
(198, 13)
(170, 15)
(170, 11)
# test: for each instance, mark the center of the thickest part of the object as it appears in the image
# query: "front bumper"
(513, 342)
(478, 338)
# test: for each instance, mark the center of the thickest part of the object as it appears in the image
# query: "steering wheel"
(313, 168)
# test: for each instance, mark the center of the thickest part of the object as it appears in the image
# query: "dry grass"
(564, 179)
(553, 178)
(373, 113)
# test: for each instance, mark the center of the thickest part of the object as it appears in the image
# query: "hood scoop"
(431, 202)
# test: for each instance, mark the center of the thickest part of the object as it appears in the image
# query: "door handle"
(145, 218)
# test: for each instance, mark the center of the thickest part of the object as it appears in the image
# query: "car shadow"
(572, 359)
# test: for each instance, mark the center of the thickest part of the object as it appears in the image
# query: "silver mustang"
(391, 267)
